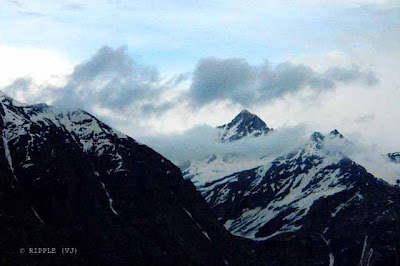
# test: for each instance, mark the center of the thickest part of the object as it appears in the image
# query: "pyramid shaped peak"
(245, 112)
(335, 133)
(244, 124)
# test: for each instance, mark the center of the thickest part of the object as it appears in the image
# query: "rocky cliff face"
(69, 180)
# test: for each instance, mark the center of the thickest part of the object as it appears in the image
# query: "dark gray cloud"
(275, 82)
(236, 80)
(216, 79)
(111, 79)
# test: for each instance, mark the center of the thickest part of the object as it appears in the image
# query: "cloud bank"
(121, 91)
(236, 80)
(202, 141)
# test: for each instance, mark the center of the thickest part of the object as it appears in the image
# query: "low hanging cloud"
(236, 80)
(368, 156)
(203, 141)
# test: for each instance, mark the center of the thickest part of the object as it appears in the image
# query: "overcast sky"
(163, 67)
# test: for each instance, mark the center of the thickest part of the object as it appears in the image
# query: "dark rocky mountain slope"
(69, 180)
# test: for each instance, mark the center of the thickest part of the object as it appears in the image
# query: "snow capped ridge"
(319, 141)
(213, 167)
(318, 189)
(284, 190)
(319, 137)
(31, 122)
(218, 165)
(244, 124)
(316, 194)
(44, 113)
(281, 191)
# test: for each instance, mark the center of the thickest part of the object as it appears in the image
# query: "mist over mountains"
(201, 142)
(306, 199)
(264, 186)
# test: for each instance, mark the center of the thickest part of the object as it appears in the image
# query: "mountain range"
(69, 180)
(312, 206)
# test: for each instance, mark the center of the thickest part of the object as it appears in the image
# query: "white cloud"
(202, 141)
(42, 65)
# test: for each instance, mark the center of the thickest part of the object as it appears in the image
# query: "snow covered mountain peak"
(315, 194)
(285, 198)
(27, 124)
(331, 145)
(244, 124)
(335, 134)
